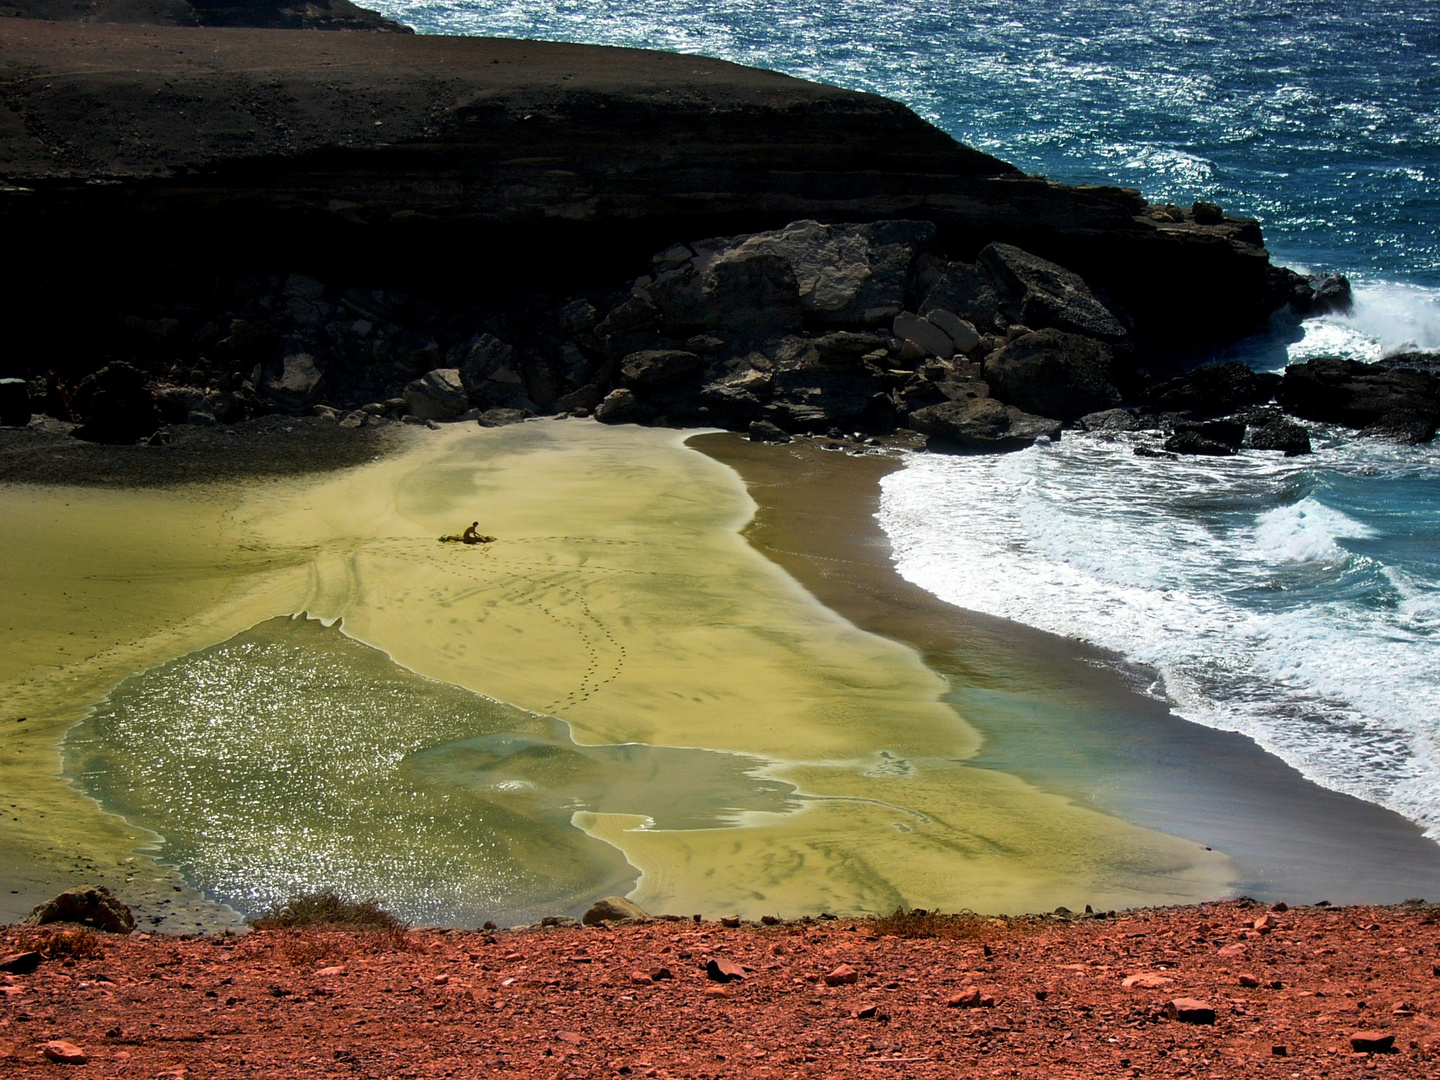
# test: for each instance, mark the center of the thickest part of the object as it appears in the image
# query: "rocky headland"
(212, 225)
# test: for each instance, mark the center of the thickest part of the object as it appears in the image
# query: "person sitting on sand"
(472, 535)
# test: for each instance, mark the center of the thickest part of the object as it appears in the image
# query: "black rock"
(1213, 390)
(967, 291)
(660, 369)
(623, 407)
(1048, 295)
(765, 432)
(1191, 441)
(1207, 213)
(1114, 420)
(115, 405)
(981, 424)
(1281, 434)
(1398, 402)
(1053, 373)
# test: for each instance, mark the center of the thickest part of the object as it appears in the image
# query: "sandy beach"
(619, 598)
(1065, 715)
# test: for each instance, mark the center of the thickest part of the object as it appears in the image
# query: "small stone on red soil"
(1190, 1011)
(1145, 980)
(731, 922)
(723, 971)
(1231, 951)
(1372, 1042)
(967, 998)
(63, 1052)
(1249, 980)
(844, 975)
(640, 978)
(1280, 1050)
(659, 973)
(20, 963)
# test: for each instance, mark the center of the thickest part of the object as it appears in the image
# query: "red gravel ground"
(573, 1003)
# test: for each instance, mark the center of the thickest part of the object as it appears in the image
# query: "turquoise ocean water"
(1295, 600)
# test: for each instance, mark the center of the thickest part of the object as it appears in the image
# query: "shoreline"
(1076, 728)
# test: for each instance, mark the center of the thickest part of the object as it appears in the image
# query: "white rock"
(925, 334)
(965, 336)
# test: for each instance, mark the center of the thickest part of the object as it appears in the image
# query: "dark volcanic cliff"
(477, 164)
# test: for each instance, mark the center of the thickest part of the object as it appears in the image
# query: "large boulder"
(1047, 295)
(297, 381)
(115, 405)
(613, 909)
(1278, 433)
(94, 906)
(489, 361)
(623, 407)
(827, 274)
(1401, 403)
(437, 395)
(981, 424)
(660, 369)
(968, 292)
(1053, 373)
(748, 292)
(811, 399)
(1213, 390)
(1213, 438)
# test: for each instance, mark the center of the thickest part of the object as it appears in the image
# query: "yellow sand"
(619, 597)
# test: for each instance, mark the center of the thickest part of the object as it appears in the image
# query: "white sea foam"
(1387, 318)
(1264, 608)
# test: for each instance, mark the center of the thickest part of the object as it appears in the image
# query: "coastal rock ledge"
(214, 224)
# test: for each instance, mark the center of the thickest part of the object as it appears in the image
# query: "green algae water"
(291, 758)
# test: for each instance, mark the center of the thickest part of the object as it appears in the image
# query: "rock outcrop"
(95, 907)
(1399, 401)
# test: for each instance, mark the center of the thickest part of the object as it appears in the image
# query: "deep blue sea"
(1296, 600)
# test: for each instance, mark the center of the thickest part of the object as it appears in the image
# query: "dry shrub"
(57, 942)
(966, 926)
(328, 909)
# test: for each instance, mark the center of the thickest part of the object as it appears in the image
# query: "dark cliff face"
(273, 14)
(131, 154)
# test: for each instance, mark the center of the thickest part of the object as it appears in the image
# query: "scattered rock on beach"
(613, 909)
(92, 906)
(765, 432)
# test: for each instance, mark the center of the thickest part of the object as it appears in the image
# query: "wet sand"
(621, 599)
(1066, 716)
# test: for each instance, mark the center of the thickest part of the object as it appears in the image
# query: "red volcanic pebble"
(1042, 998)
